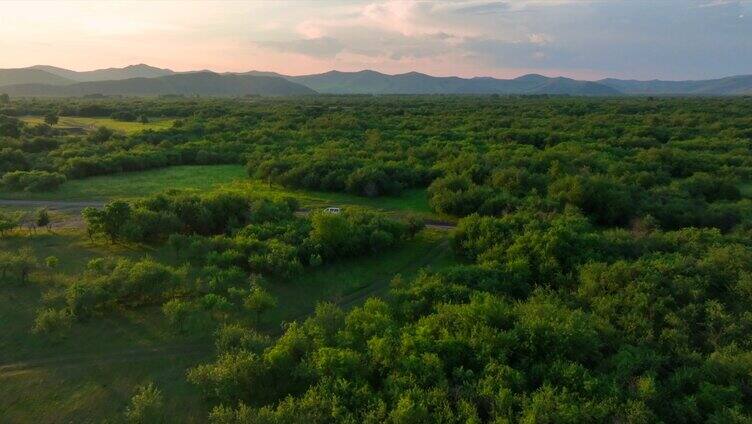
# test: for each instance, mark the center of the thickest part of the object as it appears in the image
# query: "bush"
(184, 316)
(51, 262)
(124, 116)
(109, 282)
(8, 222)
(101, 135)
(146, 406)
(52, 321)
(32, 181)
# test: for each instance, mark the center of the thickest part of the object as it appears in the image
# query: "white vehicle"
(332, 210)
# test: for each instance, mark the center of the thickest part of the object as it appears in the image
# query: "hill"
(36, 80)
(199, 83)
(30, 76)
(372, 82)
(132, 71)
(736, 85)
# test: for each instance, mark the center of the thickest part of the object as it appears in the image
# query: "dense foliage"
(677, 160)
(553, 322)
(606, 249)
(232, 242)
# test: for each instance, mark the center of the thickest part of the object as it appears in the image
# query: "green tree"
(43, 219)
(259, 301)
(52, 321)
(101, 135)
(25, 262)
(109, 221)
(51, 118)
(8, 221)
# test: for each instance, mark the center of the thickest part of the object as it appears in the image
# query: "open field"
(88, 124)
(138, 184)
(204, 177)
(348, 283)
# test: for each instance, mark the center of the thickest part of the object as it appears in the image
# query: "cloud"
(632, 38)
(478, 8)
(323, 47)
(540, 38)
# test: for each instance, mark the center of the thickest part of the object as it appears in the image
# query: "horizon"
(362, 70)
(586, 40)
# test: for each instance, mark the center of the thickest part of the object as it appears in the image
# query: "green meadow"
(87, 124)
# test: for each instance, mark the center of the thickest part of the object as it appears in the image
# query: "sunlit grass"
(206, 177)
(89, 124)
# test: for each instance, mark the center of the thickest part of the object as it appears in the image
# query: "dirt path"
(58, 205)
(78, 359)
(64, 214)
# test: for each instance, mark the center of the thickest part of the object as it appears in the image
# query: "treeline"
(675, 187)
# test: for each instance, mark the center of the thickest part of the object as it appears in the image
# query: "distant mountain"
(372, 82)
(196, 83)
(261, 74)
(132, 71)
(30, 76)
(736, 85)
(139, 80)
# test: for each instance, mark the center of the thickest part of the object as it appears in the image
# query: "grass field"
(88, 124)
(348, 283)
(90, 375)
(414, 200)
(232, 177)
(138, 184)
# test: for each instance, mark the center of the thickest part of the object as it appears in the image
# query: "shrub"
(32, 181)
(52, 321)
(51, 261)
(123, 116)
(146, 406)
(183, 315)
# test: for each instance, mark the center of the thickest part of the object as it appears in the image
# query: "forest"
(573, 259)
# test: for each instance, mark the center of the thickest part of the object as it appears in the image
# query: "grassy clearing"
(90, 374)
(205, 177)
(350, 282)
(89, 124)
(415, 200)
(138, 184)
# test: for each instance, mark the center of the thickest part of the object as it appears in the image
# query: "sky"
(586, 39)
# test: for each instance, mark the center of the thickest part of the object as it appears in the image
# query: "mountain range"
(144, 80)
